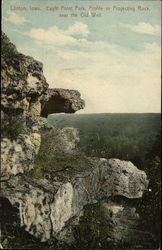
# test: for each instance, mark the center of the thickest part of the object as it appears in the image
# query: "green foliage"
(151, 200)
(49, 161)
(123, 136)
(96, 229)
(12, 125)
(91, 231)
(8, 49)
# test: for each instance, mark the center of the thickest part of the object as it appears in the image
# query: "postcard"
(80, 124)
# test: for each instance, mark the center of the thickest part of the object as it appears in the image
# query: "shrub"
(12, 126)
(50, 160)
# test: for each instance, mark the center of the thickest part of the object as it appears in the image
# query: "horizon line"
(105, 113)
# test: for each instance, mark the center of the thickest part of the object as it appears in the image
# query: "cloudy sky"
(113, 60)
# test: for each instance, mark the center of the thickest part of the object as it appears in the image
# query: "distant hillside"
(124, 136)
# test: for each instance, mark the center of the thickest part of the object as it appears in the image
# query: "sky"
(113, 59)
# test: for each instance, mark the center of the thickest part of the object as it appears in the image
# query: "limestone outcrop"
(23, 82)
(25, 89)
(61, 101)
(17, 156)
(44, 207)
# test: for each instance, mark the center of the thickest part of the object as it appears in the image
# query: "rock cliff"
(54, 205)
(23, 82)
(25, 90)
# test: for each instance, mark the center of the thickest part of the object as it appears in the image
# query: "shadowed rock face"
(107, 225)
(61, 100)
(44, 206)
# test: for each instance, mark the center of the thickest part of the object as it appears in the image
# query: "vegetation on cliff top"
(50, 161)
(8, 49)
(12, 125)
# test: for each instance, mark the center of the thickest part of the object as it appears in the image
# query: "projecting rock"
(61, 101)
